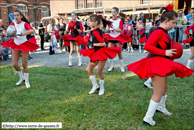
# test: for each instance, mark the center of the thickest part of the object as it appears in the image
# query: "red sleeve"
(141, 32)
(27, 26)
(121, 25)
(153, 40)
(130, 33)
(98, 37)
(81, 27)
(187, 30)
(12, 24)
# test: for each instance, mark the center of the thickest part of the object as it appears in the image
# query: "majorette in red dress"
(129, 35)
(156, 63)
(191, 39)
(23, 43)
(74, 36)
(142, 38)
(116, 36)
(100, 53)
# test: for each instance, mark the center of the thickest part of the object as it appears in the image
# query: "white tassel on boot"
(101, 92)
(111, 65)
(140, 49)
(189, 63)
(80, 60)
(94, 83)
(147, 83)
(21, 76)
(26, 76)
(148, 119)
(70, 60)
(162, 108)
(121, 66)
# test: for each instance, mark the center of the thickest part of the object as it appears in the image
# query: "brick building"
(87, 7)
(34, 10)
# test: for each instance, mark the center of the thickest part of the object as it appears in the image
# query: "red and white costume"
(23, 43)
(116, 36)
(75, 35)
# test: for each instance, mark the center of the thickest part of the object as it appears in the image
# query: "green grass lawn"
(61, 95)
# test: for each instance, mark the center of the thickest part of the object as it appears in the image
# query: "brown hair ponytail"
(120, 13)
(96, 17)
(23, 17)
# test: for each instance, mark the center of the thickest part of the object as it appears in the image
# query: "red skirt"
(158, 65)
(121, 38)
(102, 54)
(188, 40)
(86, 39)
(130, 39)
(142, 39)
(79, 39)
(29, 45)
(66, 43)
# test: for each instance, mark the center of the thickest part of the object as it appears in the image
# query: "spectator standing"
(138, 26)
(61, 27)
(182, 20)
(41, 29)
(148, 26)
(53, 42)
(142, 18)
(189, 17)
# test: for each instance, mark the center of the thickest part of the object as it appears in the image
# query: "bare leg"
(90, 68)
(72, 44)
(100, 69)
(120, 58)
(120, 54)
(78, 50)
(25, 61)
(110, 44)
(159, 87)
(15, 58)
(192, 53)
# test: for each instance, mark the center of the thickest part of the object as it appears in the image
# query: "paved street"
(42, 58)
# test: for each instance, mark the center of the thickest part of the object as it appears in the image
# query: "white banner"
(26, 125)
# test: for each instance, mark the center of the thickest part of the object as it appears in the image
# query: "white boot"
(162, 108)
(148, 119)
(101, 92)
(128, 48)
(80, 60)
(147, 83)
(94, 83)
(145, 51)
(21, 76)
(121, 66)
(189, 63)
(132, 49)
(140, 49)
(70, 60)
(26, 76)
(111, 65)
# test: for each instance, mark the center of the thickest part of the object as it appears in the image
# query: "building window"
(44, 11)
(145, 1)
(23, 9)
(99, 3)
(80, 4)
(89, 3)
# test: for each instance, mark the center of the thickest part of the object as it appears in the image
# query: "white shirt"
(49, 28)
